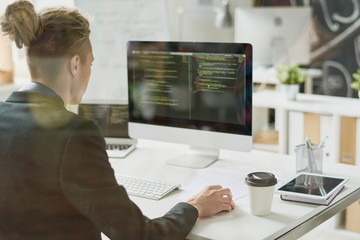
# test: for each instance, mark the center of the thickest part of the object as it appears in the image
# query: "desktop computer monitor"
(192, 93)
(278, 34)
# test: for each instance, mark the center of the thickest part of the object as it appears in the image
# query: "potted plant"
(290, 78)
(356, 83)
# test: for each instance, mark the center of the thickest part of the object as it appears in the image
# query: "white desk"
(287, 220)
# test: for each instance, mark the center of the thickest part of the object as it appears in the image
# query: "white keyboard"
(145, 188)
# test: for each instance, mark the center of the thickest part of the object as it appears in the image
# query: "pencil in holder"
(309, 160)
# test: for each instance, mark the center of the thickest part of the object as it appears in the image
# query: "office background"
(335, 39)
(335, 43)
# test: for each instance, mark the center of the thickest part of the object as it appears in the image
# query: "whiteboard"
(112, 24)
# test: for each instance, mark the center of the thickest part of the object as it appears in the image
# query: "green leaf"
(290, 74)
(355, 85)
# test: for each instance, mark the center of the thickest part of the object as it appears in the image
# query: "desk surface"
(287, 220)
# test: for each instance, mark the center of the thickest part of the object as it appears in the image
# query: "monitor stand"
(196, 157)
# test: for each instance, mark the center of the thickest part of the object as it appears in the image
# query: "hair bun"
(20, 22)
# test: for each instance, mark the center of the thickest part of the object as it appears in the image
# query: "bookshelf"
(316, 115)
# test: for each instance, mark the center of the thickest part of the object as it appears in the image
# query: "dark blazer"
(56, 181)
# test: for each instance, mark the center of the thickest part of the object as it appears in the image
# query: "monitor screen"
(200, 87)
(111, 118)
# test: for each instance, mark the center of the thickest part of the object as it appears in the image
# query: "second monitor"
(278, 34)
(193, 93)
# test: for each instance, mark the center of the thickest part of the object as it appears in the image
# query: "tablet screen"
(312, 185)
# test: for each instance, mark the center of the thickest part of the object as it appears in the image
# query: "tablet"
(312, 186)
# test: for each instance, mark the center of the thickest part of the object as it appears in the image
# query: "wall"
(188, 20)
(193, 20)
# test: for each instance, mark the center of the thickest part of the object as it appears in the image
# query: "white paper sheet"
(228, 177)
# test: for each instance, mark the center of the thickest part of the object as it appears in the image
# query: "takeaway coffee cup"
(261, 186)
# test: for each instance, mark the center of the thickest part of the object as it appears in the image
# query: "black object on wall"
(335, 42)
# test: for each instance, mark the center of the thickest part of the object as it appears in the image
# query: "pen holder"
(309, 160)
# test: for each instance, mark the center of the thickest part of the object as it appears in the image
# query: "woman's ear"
(74, 64)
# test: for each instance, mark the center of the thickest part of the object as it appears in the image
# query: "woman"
(55, 178)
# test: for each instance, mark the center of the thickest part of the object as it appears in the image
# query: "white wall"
(188, 20)
(193, 8)
(193, 20)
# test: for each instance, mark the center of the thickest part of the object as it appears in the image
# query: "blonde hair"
(52, 34)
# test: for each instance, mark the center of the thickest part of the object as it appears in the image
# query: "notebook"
(112, 118)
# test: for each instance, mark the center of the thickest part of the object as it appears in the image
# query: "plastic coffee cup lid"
(260, 179)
